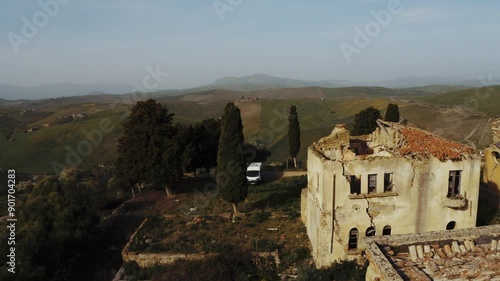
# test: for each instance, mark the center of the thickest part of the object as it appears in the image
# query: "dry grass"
(208, 227)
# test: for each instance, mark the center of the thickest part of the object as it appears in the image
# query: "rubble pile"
(458, 260)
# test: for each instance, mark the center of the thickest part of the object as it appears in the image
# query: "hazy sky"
(89, 41)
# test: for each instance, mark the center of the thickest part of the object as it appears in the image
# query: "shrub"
(260, 217)
(295, 256)
(239, 266)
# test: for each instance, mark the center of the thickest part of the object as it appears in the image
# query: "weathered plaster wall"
(495, 127)
(418, 202)
(491, 173)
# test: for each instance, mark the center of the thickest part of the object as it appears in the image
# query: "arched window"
(451, 225)
(370, 231)
(353, 239)
(387, 230)
(496, 157)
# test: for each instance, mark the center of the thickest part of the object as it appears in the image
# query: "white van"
(254, 173)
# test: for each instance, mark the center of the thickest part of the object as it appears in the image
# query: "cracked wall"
(416, 204)
(495, 128)
(491, 172)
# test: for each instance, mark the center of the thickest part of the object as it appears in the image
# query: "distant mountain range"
(245, 83)
(12, 92)
(263, 81)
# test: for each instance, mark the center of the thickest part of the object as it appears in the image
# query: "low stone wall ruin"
(152, 259)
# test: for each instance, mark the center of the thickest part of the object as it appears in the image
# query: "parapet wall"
(378, 251)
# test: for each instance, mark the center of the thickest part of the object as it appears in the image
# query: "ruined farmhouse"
(491, 174)
(397, 180)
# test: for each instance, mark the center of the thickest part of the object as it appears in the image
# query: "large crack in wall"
(368, 211)
(336, 228)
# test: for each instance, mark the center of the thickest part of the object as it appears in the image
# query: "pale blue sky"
(91, 41)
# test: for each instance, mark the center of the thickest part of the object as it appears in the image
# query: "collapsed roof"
(390, 139)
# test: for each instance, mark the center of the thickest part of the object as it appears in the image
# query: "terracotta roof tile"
(420, 142)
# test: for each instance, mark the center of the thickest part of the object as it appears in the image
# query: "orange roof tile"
(420, 142)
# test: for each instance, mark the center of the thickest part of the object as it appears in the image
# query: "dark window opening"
(388, 182)
(355, 183)
(496, 157)
(370, 231)
(451, 225)
(372, 183)
(454, 183)
(353, 239)
(387, 230)
(253, 174)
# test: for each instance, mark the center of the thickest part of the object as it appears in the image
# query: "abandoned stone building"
(397, 180)
(491, 173)
(464, 254)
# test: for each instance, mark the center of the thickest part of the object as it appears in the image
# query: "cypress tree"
(293, 134)
(365, 122)
(231, 166)
(392, 113)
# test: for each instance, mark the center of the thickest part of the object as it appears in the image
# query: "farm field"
(265, 121)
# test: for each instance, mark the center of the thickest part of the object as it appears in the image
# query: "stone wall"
(495, 127)
(152, 259)
(491, 173)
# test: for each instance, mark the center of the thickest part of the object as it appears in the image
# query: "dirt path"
(269, 176)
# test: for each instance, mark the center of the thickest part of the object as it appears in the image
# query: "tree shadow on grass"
(284, 194)
(271, 176)
(344, 271)
(194, 185)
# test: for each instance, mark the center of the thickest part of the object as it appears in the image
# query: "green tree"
(365, 122)
(147, 152)
(199, 145)
(189, 157)
(186, 139)
(208, 135)
(56, 220)
(231, 166)
(392, 113)
(168, 169)
(293, 134)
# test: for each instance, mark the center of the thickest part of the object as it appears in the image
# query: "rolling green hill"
(485, 99)
(438, 89)
(265, 121)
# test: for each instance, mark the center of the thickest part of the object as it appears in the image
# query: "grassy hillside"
(295, 93)
(438, 89)
(317, 119)
(36, 152)
(485, 99)
(265, 121)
